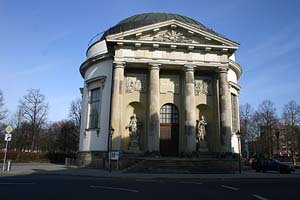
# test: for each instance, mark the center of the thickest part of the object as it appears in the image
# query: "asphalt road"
(71, 187)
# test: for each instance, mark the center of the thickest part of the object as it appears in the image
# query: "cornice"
(234, 85)
(84, 66)
(236, 68)
(172, 45)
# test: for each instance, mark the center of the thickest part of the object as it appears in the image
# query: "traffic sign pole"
(4, 160)
(7, 138)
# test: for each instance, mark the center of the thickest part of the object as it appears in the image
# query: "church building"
(163, 84)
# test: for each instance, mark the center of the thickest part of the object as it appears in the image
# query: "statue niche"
(134, 131)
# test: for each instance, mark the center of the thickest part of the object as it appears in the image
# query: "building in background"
(278, 141)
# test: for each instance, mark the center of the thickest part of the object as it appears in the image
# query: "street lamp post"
(277, 143)
(110, 147)
(238, 134)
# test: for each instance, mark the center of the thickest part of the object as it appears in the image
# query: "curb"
(161, 176)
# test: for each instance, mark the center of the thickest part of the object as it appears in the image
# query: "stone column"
(117, 104)
(190, 118)
(225, 110)
(154, 108)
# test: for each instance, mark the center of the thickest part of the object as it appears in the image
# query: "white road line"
(114, 188)
(259, 197)
(195, 183)
(146, 180)
(17, 183)
(231, 188)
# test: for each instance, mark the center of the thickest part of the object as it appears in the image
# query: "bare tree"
(268, 120)
(75, 111)
(16, 121)
(2, 110)
(246, 114)
(291, 113)
(291, 121)
(63, 137)
(267, 113)
(34, 109)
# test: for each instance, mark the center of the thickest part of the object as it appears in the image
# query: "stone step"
(183, 166)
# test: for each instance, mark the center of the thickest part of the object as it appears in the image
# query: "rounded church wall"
(96, 49)
(232, 76)
(98, 75)
(102, 68)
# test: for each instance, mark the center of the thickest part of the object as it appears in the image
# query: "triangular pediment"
(173, 32)
(175, 35)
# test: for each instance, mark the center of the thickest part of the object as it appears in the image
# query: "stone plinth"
(134, 146)
(202, 146)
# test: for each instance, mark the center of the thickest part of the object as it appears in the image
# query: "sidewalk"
(54, 169)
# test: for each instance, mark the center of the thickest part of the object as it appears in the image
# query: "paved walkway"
(46, 168)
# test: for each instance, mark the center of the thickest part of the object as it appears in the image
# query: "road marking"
(195, 183)
(259, 197)
(114, 188)
(17, 183)
(146, 180)
(231, 188)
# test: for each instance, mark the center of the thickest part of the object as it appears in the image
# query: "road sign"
(114, 155)
(7, 137)
(9, 129)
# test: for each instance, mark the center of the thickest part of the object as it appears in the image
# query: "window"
(169, 114)
(234, 113)
(94, 108)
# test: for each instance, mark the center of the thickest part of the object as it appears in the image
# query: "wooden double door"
(169, 130)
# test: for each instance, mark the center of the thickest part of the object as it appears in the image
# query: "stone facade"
(168, 74)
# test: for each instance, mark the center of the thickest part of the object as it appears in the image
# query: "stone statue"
(134, 133)
(201, 129)
(133, 127)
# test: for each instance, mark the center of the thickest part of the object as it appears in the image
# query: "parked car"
(271, 165)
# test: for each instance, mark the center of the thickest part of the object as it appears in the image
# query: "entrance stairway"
(205, 165)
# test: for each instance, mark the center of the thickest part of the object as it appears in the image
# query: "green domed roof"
(145, 19)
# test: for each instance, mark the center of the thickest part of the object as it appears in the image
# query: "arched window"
(169, 114)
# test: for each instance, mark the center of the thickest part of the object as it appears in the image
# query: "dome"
(145, 19)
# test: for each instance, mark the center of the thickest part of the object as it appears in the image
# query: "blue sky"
(43, 43)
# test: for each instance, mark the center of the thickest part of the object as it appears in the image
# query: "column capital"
(223, 70)
(189, 67)
(154, 66)
(119, 64)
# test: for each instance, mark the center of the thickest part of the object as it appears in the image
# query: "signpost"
(7, 138)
